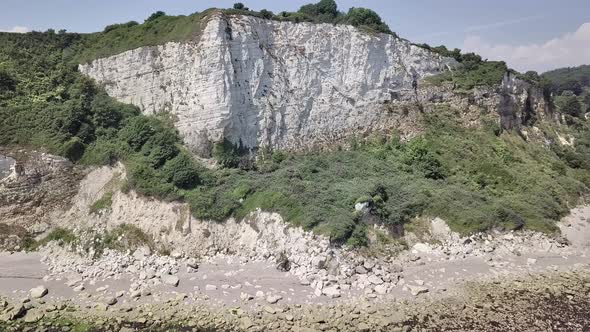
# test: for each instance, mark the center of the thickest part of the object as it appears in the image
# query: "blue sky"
(528, 34)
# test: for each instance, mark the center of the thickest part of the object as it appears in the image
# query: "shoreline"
(538, 302)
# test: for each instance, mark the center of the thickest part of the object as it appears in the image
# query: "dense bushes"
(470, 177)
(155, 16)
(574, 79)
(181, 171)
(325, 10)
(112, 27)
(569, 104)
(472, 72)
(226, 153)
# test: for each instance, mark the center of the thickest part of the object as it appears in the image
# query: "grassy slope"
(126, 37)
(119, 38)
(575, 78)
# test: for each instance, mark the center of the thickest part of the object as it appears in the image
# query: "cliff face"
(514, 104)
(286, 85)
(291, 86)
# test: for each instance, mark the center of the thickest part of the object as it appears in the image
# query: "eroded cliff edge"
(279, 84)
(293, 86)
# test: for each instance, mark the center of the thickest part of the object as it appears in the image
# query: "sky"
(528, 34)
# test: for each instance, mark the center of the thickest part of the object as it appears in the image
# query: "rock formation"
(267, 83)
(294, 86)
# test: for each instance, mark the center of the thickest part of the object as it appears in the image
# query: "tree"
(571, 105)
(266, 14)
(327, 8)
(366, 17)
(155, 15)
(470, 60)
(239, 6)
(531, 75)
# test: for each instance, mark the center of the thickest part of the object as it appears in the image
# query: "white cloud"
(501, 24)
(17, 29)
(571, 49)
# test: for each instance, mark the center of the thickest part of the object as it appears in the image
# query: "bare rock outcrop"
(298, 86)
(267, 83)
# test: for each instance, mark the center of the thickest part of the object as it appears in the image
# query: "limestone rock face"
(267, 83)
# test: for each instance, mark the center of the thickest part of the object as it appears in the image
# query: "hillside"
(235, 170)
(571, 89)
(501, 180)
(575, 79)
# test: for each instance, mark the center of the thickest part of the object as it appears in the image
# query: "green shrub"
(211, 205)
(148, 181)
(358, 238)
(473, 74)
(73, 149)
(108, 113)
(103, 152)
(363, 17)
(569, 104)
(182, 171)
(138, 131)
(324, 8)
(418, 154)
(340, 231)
(161, 147)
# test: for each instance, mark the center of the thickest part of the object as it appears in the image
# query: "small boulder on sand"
(38, 292)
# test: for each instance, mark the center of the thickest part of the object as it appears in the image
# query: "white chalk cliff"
(268, 83)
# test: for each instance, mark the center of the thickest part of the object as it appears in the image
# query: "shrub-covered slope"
(575, 79)
(475, 178)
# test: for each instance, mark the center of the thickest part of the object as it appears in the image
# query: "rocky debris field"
(496, 279)
(555, 302)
